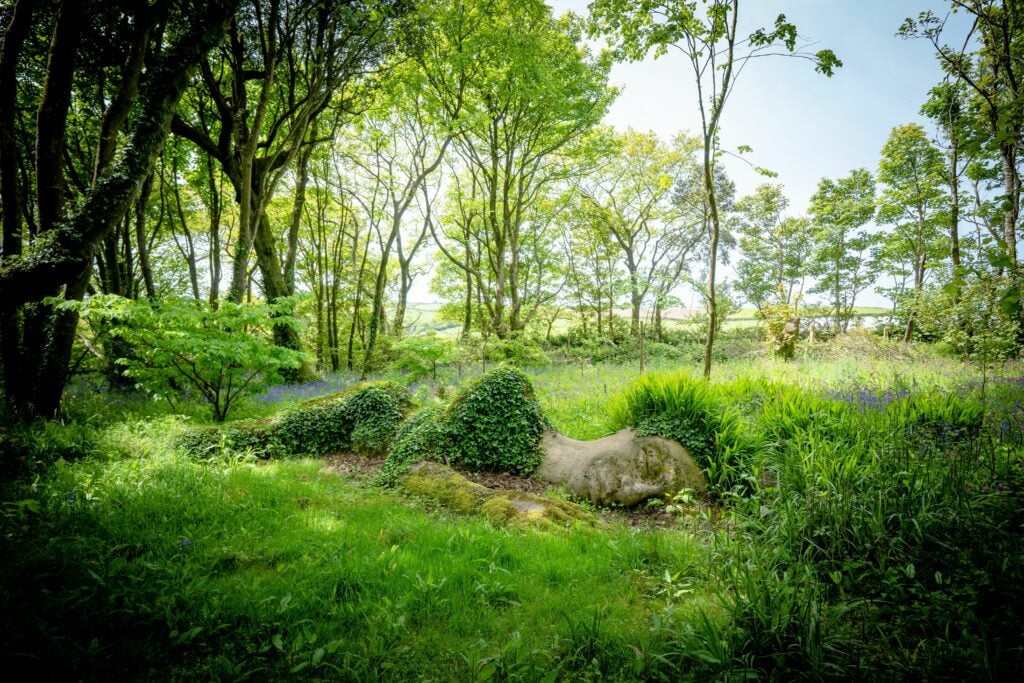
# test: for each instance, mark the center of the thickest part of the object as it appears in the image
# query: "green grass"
(151, 566)
(878, 536)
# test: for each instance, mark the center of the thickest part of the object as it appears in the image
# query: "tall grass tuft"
(679, 406)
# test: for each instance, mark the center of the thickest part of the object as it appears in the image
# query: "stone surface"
(504, 507)
(623, 468)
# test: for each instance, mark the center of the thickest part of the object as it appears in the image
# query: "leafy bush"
(258, 438)
(681, 407)
(422, 437)
(363, 419)
(783, 326)
(225, 354)
(518, 351)
(496, 422)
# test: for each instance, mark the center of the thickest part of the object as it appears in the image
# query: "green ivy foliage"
(364, 419)
(496, 422)
(421, 437)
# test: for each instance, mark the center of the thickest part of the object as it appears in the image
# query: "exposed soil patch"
(509, 482)
(352, 466)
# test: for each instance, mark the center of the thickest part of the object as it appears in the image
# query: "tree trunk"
(634, 298)
(142, 244)
(1011, 183)
(67, 261)
(405, 284)
(11, 319)
(709, 186)
(377, 312)
(954, 206)
(215, 212)
(467, 313)
(298, 203)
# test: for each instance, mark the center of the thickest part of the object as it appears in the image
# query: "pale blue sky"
(799, 123)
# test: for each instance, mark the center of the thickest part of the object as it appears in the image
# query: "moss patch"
(503, 508)
(446, 486)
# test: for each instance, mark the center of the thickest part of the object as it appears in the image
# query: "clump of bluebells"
(866, 398)
(304, 391)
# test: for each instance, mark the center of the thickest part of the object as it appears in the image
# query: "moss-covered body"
(504, 508)
(494, 424)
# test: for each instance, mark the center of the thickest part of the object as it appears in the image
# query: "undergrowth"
(878, 536)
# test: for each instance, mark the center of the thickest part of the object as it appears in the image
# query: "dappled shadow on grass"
(174, 570)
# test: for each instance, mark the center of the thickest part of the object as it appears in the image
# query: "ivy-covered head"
(496, 423)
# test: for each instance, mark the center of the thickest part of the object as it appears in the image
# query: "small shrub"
(419, 356)
(255, 437)
(783, 328)
(223, 355)
(516, 351)
(496, 423)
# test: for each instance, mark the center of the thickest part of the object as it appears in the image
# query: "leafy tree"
(775, 249)
(844, 258)
(994, 72)
(717, 55)
(590, 265)
(520, 89)
(159, 46)
(224, 353)
(394, 148)
(629, 196)
(258, 99)
(334, 259)
(911, 173)
(947, 107)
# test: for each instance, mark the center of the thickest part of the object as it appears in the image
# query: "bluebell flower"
(185, 542)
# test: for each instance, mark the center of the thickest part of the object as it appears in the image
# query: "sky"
(799, 123)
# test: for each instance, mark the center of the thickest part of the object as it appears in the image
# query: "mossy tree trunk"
(37, 339)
